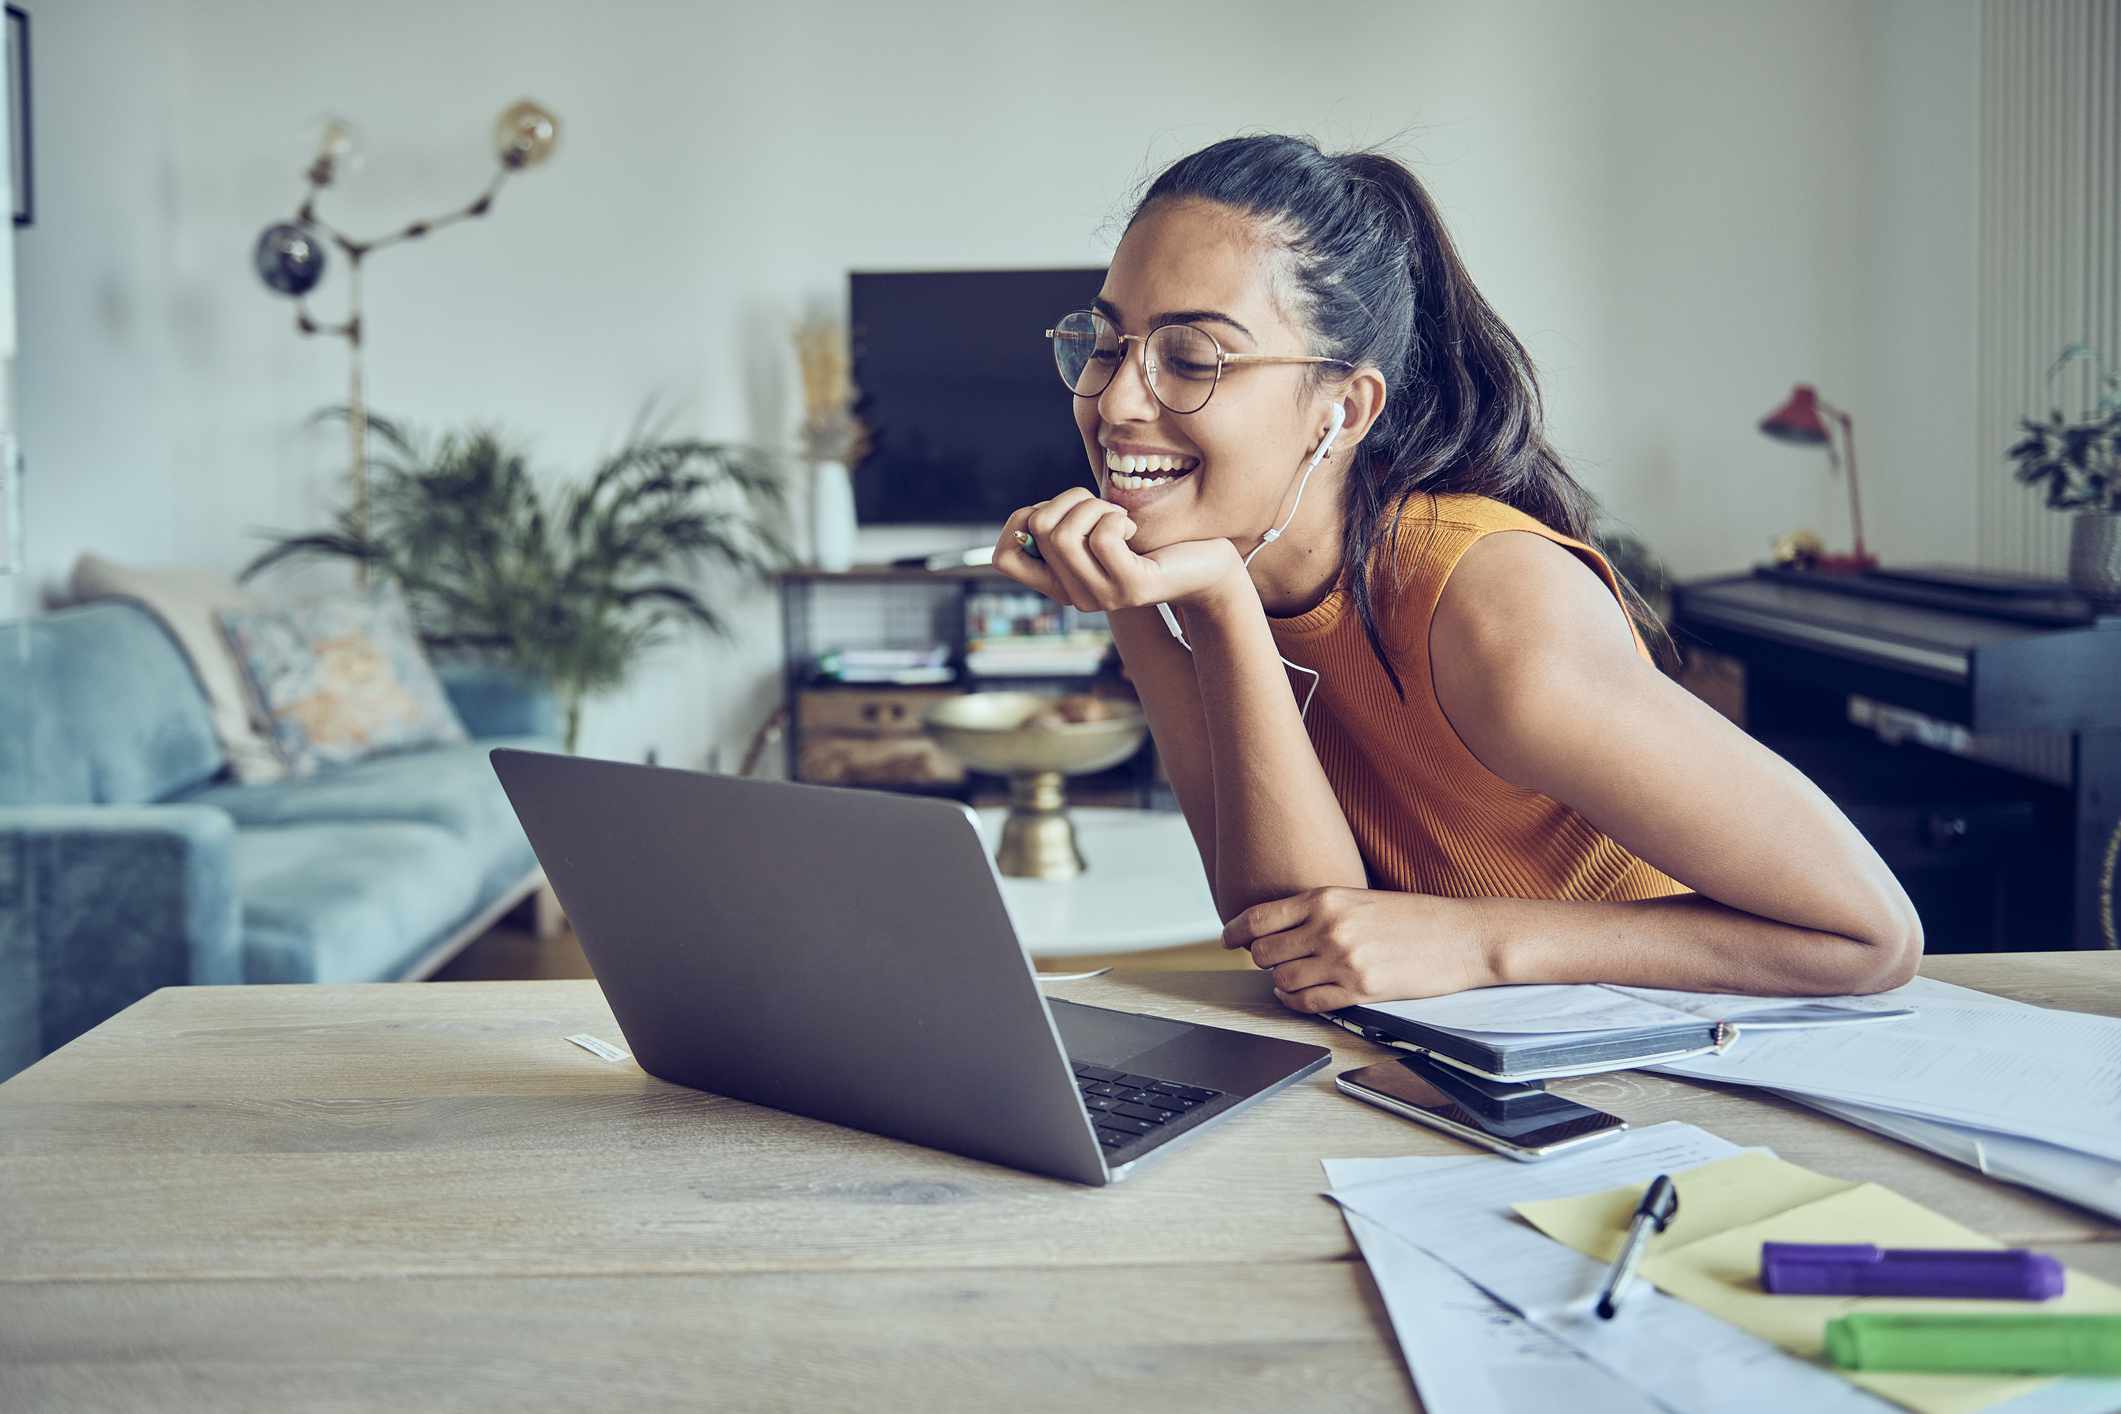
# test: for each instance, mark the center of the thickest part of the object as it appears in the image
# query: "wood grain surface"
(1209, 1336)
(423, 1196)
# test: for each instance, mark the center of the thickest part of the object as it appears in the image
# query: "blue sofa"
(129, 861)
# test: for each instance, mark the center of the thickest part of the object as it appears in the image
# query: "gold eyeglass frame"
(1223, 358)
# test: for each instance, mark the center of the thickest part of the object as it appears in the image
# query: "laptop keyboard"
(1126, 1108)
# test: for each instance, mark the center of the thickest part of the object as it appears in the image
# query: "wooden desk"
(422, 1197)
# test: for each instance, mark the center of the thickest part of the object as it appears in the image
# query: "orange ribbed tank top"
(1427, 816)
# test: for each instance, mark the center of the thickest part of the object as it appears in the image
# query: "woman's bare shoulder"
(1522, 613)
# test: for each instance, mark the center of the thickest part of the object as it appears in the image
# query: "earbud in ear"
(1339, 417)
(1325, 444)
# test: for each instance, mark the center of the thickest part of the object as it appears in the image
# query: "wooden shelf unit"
(1137, 781)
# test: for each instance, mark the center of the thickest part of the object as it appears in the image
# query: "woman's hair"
(1379, 282)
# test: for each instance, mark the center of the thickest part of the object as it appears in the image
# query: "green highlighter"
(2017, 1345)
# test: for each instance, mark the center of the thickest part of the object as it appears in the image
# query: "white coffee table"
(1144, 887)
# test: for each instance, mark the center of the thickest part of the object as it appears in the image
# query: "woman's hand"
(1085, 560)
(1334, 947)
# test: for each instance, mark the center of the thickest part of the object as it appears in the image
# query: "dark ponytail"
(1380, 283)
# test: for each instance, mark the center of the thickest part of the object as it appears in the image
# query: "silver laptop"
(844, 954)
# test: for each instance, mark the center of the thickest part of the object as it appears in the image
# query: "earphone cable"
(1325, 445)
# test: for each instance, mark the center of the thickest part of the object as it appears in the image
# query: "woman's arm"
(1162, 673)
(1278, 826)
(1262, 814)
(1535, 667)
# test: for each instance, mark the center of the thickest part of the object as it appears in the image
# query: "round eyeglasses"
(1184, 362)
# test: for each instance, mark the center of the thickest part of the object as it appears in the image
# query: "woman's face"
(1236, 458)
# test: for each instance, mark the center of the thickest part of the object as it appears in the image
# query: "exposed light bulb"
(337, 148)
(524, 135)
(289, 258)
(337, 137)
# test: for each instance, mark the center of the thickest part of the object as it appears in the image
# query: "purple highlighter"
(1859, 1269)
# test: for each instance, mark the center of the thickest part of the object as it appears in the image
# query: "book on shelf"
(925, 663)
(1031, 667)
(892, 677)
(1078, 654)
(1011, 613)
(1019, 633)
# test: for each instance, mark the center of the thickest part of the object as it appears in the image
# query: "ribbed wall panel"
(2050, 241)
(2050, 264)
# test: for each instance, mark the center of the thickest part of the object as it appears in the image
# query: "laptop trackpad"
(1110, 1038)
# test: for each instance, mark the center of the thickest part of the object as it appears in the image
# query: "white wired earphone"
(1339, 417)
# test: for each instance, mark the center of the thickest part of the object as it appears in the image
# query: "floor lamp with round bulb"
(290, 255)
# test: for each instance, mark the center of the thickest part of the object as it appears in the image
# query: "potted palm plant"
(2078, 462)
(572, 592)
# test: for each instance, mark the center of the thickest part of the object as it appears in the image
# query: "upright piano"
(1995, 858)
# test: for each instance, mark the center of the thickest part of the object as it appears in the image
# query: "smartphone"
(1492, 1099)
(1538, 1127)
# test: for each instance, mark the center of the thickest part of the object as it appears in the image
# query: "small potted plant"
(2078, 460)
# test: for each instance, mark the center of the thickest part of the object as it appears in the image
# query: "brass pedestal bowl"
(1031, 739)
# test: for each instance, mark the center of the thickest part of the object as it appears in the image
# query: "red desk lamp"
(1800, 420)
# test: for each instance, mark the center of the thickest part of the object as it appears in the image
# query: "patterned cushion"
(341, 677)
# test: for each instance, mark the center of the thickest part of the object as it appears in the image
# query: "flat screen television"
(954, 379)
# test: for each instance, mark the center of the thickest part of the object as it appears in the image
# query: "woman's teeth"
(1131, 473)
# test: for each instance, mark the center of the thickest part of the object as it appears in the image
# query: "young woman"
(1476, 775)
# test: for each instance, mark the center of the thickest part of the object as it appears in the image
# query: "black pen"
(1653, 1214)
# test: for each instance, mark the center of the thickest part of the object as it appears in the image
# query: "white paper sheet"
(1735, 1006)
(1468, 1353)
(1455, 1211)
(1458, 1211)
(1966, 1058)
(2084, 1179)
(1540, 1009)
(1555, 1009)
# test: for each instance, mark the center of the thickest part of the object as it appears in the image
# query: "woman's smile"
(1136, 477)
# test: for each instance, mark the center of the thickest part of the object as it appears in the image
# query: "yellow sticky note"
(1713, 1198)
(1714, 1262)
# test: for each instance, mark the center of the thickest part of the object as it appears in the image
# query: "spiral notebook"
(1539, 1032)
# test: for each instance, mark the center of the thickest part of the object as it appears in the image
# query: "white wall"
(1681, 210)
